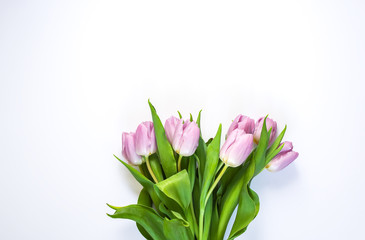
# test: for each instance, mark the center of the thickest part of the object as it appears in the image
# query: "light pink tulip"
(184, 137)
(269, 124)
(170, 127)
(288, 146)
(129, 149)
(283, 159)
(237, 148)
(144, 139)
(244, 123)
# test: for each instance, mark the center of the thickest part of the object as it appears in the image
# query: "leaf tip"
(112, 207)
(179, 114)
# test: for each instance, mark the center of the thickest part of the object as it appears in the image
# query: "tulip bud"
(129, 149)
(145, 140)
(237, 148)
(283, 159)
(269, 124)
(244, 123)
(184, 137)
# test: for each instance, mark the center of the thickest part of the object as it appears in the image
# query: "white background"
(75, 74)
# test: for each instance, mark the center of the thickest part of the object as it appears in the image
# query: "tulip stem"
(150, 170)
(179, 163)
(215, 183)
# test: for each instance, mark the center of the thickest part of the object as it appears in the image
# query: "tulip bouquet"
(191, 187)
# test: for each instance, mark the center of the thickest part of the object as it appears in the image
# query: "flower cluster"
(183, 136)
(191, 187)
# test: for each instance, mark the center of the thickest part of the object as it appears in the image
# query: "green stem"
(194, 218)
(150, 170)
(203, 204)
(179, 163)
(215, 183)
(219, 166)
(201, 221)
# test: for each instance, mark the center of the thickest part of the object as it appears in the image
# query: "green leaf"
(209, 141)
(255, 198)
(165, 211)
(191, 118)
(198, 119)
(274, 149)
(144, 170)
(146, 217)
(190, 216)
(196, 197)
(230, 200)
(181, 218)
(164, 148)
(215, 221)
(176, 188)
(175, 229)
(212, 160)
(201, 153)
(145, 182)
(230, 174)
(145, 200)
(259, 155)
(246, 210)
(156, 167)
(208, 218)
(180, 116)
(192, 171)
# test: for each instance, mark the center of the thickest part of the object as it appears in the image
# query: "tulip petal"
(190, 139)
(239, 151)
(281, 161)
(236, 148)
(128, 149)
(145, 139)
(269, 124)
(288, 146)
(170, 125)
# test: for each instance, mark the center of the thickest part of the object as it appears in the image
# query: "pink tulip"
(184, 137)
(236, 148)
(170, 127)
(269, 124)
(283, 159)
(244, 123)
(145, 140)
(129, 149)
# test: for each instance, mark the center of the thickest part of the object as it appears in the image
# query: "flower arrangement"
(191, 187)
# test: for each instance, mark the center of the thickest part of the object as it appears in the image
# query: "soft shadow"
(276, 180)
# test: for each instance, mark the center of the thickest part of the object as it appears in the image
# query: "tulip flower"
(244, 123)
(236, 148)
(269, 124)
(170, 127)
(129, 149)
(184, 137)
(283, 159)
(145, 139)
